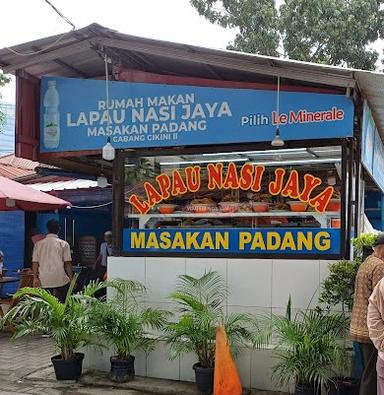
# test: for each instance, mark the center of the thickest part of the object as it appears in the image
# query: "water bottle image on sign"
(51, 116)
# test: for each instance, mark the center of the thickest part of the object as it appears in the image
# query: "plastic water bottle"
(51, 116)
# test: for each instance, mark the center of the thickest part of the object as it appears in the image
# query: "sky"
(172, 20)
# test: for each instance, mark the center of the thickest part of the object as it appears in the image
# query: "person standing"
(369, 274)
(105, 249)
(375, 322)
(52, 263)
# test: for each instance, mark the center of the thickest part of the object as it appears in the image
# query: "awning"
(16, 196)
(63, 185)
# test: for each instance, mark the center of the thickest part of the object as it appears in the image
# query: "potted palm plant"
(308, 347)
(201, 306)
(124, 322)
(68, 323)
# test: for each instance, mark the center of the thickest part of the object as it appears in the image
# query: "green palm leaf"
(69, 323)
(201, 302)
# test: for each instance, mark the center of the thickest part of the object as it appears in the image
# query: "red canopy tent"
(16, 196)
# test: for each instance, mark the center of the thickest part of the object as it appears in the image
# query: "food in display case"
(203, 205)
(236, 196)
(280, 206)
(260, 207)
(334, 205)
(167, 208)
(245, 207)
(229, 207)
(261, 198)
(229, 204)
(297, 206)
(260, 202)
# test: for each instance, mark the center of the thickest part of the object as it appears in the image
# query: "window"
(267, 203)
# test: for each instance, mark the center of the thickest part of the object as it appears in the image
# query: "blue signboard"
(75, 116)
(372, 148)
(368, 139)
(233, 241)
(378, 161)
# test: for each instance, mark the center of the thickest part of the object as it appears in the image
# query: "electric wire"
(92, 207)
(53, 43)
(61, 14)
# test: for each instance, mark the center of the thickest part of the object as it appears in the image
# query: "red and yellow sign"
(248, 177)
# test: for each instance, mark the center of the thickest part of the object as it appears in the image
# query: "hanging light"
(277, 140)
(102, 181)
(108, 151)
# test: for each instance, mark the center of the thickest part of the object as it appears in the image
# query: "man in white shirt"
(52, 263)
(105, 249)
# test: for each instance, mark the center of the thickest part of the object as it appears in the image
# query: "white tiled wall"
(258, 286)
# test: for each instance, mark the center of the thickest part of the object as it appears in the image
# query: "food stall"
(247, 165)
(202, 187)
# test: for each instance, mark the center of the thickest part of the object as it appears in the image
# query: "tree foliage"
(336, 32)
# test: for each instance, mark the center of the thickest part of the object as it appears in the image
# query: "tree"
(336, 32)
(3, 80)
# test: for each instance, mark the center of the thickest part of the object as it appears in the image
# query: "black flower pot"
(204, 379)
(122, 370)
(68, 369)
(306, 389)
(344, 386)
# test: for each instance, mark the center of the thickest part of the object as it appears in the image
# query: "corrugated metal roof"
(12, 160)
(14, 172)
(64, 185)
(80, 54)
(12, 167)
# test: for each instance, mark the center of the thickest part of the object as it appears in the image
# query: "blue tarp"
(12, 243)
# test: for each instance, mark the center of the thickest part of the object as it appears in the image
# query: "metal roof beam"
(220, 60)
(48, 56)
(66, 65)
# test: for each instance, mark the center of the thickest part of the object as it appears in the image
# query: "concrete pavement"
(27, 356)
(25, 369)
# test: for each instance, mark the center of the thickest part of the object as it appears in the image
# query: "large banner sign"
(236, 241)
(76, 117)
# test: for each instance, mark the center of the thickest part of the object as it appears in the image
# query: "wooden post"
(118, 202)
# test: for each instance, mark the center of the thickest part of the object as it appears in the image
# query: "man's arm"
(374, 318)
(68, 269)
(378, 274)
(101, 253)
(68, 261)
(36, 277)
(35, 267)
(98, 260)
